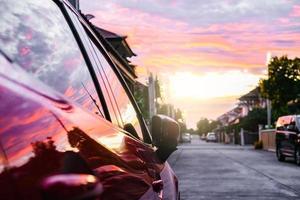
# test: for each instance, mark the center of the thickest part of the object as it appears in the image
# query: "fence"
(268, 139)
(249, 137)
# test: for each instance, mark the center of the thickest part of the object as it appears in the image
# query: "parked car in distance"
(211, 137)
(69, 125)
(203, 137)
(288, 138)
(186, 137)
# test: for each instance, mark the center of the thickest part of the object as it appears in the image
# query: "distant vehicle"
(288, 138)
(186, 137)
(211, 137)
(203, 137)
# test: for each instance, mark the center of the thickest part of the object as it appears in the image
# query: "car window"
(298, 121)
(95, 64)
(50, 56)
(282, 123)
(121, 109)
(125, 108)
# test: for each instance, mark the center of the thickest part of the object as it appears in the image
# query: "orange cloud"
(165, 45)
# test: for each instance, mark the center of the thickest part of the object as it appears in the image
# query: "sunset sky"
(206, 53)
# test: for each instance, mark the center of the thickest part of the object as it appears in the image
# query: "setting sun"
(211, 85)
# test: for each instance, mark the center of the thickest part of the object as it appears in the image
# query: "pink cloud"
(296, 11)
(163, 43)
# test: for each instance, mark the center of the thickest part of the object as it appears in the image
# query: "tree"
(141, 97)
(283, 83)
(253, 119)
(182, 126)
(213, 124)
(157, 88)
(204, 126)
(191, 131)
(178, 115)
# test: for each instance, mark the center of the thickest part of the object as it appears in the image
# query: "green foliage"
(178, 115)
(283, 83)
(232, 128)
(164, 109)
(213, 124)
(204, 126)
(182, 126)
(157, 88)
(141, 97)
(253, 119)
(191, 131)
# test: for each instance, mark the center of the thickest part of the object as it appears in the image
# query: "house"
(251, 100)
(229, 118)
(246, 103)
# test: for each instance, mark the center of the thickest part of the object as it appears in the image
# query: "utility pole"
(151, 91)
(269, 106)
(269, 112)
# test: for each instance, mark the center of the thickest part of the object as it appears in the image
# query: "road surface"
(218, 171)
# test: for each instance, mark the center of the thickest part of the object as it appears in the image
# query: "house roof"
(108, 34)
(230, 117)
(253, 94)
(117, 41)
(122, 62)
(119, 51)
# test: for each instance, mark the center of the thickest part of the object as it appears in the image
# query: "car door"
(284, 135)
(52, 110)
(293, 135)
(45, 88)
(7, 190)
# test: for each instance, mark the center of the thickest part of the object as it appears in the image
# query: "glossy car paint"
(43, 133)
(71, 186)
(41, 127)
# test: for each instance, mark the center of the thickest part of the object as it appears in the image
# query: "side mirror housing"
(165, 133)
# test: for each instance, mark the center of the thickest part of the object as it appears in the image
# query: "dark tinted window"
(298, 121)
(36, 36)
(125, 108)
(92, 55)
(117, 100)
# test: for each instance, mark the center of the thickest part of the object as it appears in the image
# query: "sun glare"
(211, 85)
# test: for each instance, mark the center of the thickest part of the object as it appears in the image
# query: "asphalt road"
(218, 171)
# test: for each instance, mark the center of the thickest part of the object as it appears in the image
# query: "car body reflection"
(38, 137)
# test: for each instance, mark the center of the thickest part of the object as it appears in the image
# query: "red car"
(69, 126)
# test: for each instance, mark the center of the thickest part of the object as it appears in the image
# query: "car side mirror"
(165, 134)
(71, 186)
